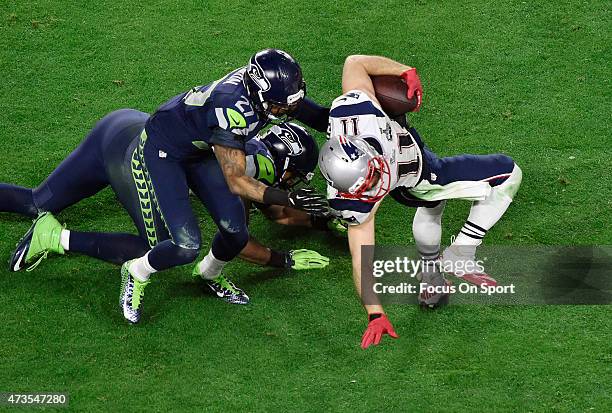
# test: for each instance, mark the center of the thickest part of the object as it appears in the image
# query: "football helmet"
(274, 83)
(354, 168)
(294, 152)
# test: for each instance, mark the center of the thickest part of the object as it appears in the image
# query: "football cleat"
(461, 263)
(42, 238)
(434, 290)
(227, 291)
(223, 288)
(131, 294)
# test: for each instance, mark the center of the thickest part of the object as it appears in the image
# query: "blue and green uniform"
(173, 155)
(176, 156)
(109, 156)
(103, 158)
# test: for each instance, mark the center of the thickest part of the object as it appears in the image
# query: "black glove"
(307, 199)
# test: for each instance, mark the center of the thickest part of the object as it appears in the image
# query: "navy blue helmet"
(294, 151)
(274, 83)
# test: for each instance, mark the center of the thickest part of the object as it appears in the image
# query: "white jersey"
(354, 113)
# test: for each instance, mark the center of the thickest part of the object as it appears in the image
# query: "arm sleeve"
(312, 114)
(224, 137)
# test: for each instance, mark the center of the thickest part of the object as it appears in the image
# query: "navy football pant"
(171, 180)
(100, 160)
(206, 180)
(494, 169)
(108, 156)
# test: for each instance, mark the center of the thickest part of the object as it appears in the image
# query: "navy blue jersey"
(183, 126)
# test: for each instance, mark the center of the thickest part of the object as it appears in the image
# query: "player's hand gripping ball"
(399, 94)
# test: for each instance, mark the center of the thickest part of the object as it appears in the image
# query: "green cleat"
(42, 238)
(227, 291)
(131, 294)
(223, 288)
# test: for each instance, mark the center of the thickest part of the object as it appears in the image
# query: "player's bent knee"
(512, 184)
(239, 239)
(187, 255)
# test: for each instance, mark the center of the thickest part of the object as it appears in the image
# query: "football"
(391, 93)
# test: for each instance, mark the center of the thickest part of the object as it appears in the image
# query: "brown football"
(391, 93)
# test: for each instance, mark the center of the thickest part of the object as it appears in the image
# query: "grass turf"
(530, 79)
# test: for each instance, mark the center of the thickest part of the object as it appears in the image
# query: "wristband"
(279, 259)
(374, 316)
(320, 223)
(275, 196)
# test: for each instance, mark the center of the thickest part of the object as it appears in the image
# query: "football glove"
(377, 328)
(338, 227)
(307, 260)
(414, 86)
(307, 199)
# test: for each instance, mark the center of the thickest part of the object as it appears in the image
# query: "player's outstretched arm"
(312, 114)
(233, 165)
(358, 69)
(378, 323)
(287, 216)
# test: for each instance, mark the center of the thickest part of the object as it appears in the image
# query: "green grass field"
(530, 79)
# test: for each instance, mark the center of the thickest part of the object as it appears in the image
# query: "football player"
(368, 155)
(175, 154)
(284, 155)
(219, 117)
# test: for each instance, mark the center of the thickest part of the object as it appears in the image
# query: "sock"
(141, 269)
(65, 239)
(115, 248)
(210, 267)
(427, 230)
(17, 199)
(470, 234)
(484, 214)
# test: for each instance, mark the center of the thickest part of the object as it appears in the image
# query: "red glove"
(414, 86)
(377, 328)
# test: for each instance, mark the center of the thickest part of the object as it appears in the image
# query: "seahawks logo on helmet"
(256, 74)
(291, 140)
